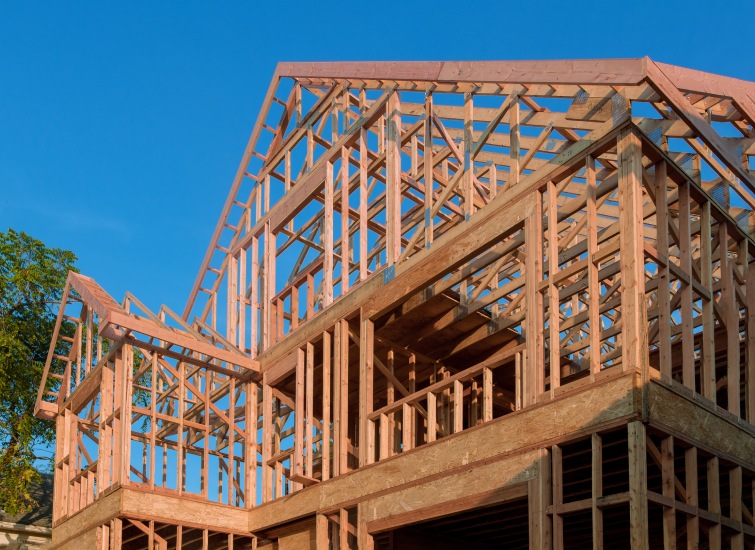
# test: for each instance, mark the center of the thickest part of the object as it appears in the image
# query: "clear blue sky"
(122, 124)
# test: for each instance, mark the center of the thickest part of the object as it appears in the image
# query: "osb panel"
(483, 479)
(83, 541)
(106, 508)
(677, 414)
(173, 509)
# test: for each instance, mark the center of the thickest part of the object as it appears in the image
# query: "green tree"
(32, 278)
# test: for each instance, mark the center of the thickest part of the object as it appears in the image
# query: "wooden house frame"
(491, 304)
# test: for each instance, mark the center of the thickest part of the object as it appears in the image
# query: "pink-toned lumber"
(509, 296)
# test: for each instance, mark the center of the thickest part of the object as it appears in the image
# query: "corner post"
(634, 337)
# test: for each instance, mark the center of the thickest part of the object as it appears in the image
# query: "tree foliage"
(32, 278)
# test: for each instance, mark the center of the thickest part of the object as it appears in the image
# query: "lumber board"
(690, 418)
(396, 223)
(475, 487)
(607, 403)
(587, 71)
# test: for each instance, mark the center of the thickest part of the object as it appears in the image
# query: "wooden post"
(432, 417)
(299, 414)
(232, 312)
(714, 502)
(458, 406)
(325, 451)
(337, 377)
(366, 378)
(267, 429)
(407, 433)
(593, 280)
(468, 177)
(735, 505)
(393, 181)
(345, 239)
(343, 529)
(127, 366)
(533, 372)
(667, 480)
(487, 395)
(690, 484)
(558, 496)
(597, 492)
(707, 365)
(730, 308)
(69, 461)
(205, 476)
(664, 291)
(750, 349)
(309, 399)
(322, 534)
(104, 451)
(327, 237)
(553, 300)
(268, 325)
(153, 419)
(685, 264)
(365, 540)
(539, 498)
(341, 389)
(390, 398)
(638, 501)
(250, 444)
(475, 392)
(363, 202)
(514, 150)
(428, 169)
(116, 534)
(117, 409)
(181, 447)
(634, 334)
(254, 298)
(151, 535)
(384, 450)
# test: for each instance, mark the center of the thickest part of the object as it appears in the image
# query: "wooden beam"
(366, 395)
(634, 336)
(638, 503)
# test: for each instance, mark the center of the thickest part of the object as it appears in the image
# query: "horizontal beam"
(132, 323)
(582, 71)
